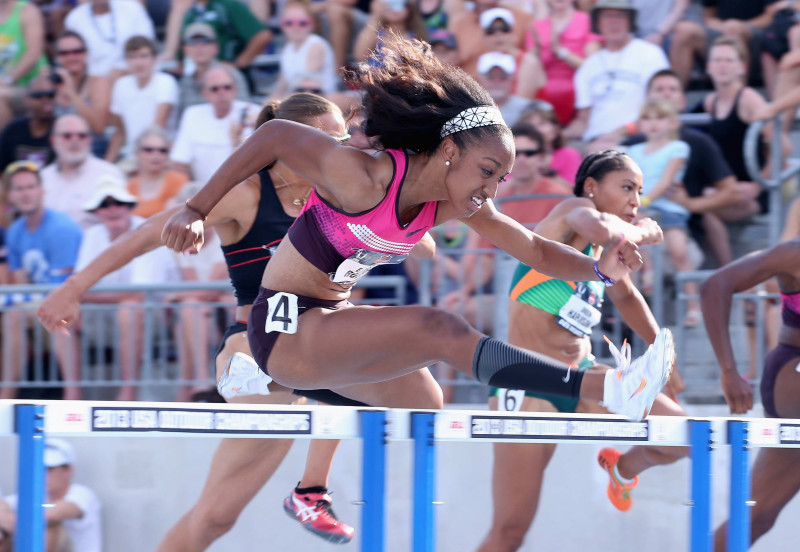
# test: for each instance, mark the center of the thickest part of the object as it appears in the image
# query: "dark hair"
(529, 131)
(409, 94)
(598, 165)
(546, 111)
(71, 34)
(301, 108)
(138, 42)
(663, 73)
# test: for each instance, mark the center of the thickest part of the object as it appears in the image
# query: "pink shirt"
(566, 162)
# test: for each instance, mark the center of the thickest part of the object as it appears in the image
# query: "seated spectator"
(562, 41)
(106, 26)
(141, 99)
(304, 51)
(204, 138)
(564, 160)
(200, 47)
(241, 36)
(610, 84)
(781, 36)
(69, 180)
(27, 138)
(466, 26)
(311, 83)
(114, 205)
(21, 53)
(78, 92)
(657, 19)
(495, 73)
(155, 186)
(443, 44)
(498, 25)
(74, 519)
(42, 249)
(742, 21)
(399, 16)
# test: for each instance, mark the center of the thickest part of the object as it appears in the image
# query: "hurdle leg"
(373, 517)
(29, 425)
(739, 517)
(700, 438)
(424, 529)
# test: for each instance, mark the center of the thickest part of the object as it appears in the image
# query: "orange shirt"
(173, 183)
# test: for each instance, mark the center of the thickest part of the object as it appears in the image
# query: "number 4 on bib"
(282, 313)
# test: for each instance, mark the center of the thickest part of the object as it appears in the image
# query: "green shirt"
(233, 21)
(12, 46)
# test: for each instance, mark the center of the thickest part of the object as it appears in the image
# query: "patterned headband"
(473, 117)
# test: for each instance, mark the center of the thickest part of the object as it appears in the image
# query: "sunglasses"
(42, 94)
(529, 152)
(73, 52)
(71, 135)
(296, 23)
(111, 202)
(317, 91)
(499, 29)
(192, 40)
(225, 87)
(19, 166)
(148, 149)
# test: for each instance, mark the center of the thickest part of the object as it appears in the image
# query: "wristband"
(645, 201)
(203, 216)
(602, 277)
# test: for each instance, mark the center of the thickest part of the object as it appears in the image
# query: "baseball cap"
(488, 17)
(199, 29)
(441, 36)
(58, 452)
(496, 59)
(109, 186)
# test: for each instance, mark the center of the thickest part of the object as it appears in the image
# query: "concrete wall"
(147, 483)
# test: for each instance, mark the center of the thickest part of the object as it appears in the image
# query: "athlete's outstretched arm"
(716, 297)
(307, 151)
(552, 258)
(598, 227)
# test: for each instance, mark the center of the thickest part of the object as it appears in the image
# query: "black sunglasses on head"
(42, 94)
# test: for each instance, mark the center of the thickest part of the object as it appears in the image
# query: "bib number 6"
(510, 400)
(281, 313)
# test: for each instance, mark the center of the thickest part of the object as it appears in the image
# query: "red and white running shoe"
(314, 512)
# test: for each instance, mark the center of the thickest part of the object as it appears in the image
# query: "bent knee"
(686, 31)
(445, 324)
(510, 537)
(211, 522)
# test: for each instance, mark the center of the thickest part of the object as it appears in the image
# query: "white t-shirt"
(156, 266)
(86, 532)
(295, 60)
(137, 106)
(203, 141)
(613, 85)
(70, 194)
(105, 35)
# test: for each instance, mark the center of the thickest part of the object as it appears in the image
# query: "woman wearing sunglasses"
(250, 221)
(154, 184)
(555, 317)
(304, 52)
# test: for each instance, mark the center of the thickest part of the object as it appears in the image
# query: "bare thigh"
(418, 389)
(364, 344)
(787, 390)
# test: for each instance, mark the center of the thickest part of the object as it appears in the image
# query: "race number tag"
(281, 313)
(580, 313)
(510, 400)
(349, 272)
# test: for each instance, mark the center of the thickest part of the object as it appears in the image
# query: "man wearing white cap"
(74, 518)
(610, 85)
(466, 26)
(112, 203)
(495, 74)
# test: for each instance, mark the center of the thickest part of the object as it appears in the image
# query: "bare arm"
(716, 297)
(33, 33)
(162, 114)
(634, 309)
(366, 41)
(254, 47)
(315, 59)
(585, 220)
(424, 248)
(667, 178)
(62, 510)
(96, 112)
(115, 144)
(579, 124)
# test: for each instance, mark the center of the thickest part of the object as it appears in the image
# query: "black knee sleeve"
(502, 365)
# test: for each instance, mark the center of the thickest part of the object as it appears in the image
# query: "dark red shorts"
(261, 341)
(776, 359)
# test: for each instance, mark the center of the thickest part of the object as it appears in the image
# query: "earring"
(447, 163)
(591, 194)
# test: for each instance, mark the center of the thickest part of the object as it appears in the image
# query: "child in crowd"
(662, 158)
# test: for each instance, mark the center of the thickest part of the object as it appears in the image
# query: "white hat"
(496, 59)
(109, 186)
(58, 452)
(488, 17)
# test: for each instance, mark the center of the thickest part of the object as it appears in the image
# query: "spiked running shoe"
(619, 493)
(631, 389)
(314, 512)
(242, 376)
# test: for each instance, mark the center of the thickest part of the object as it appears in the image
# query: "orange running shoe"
(619, 493)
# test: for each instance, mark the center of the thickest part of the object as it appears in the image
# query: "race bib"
(359, 263)
(281, 313)
(581, 312)
(510, 400)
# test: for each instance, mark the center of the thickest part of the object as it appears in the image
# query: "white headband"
(473, 117)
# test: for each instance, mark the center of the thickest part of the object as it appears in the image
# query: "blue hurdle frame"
(424, 525)
(29, 426)
(373, 517)
(739, 517)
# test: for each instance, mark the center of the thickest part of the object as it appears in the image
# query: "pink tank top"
(346, 246)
